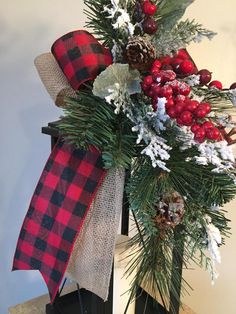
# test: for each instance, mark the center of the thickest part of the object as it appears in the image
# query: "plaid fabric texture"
(56, 213)
(80, 56)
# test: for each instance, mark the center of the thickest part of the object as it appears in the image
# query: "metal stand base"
(69, 304)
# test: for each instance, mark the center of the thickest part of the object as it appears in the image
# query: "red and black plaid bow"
(69, 180)
(57, 211)
(80, 56)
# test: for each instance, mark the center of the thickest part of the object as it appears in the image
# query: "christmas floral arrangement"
(152, 112)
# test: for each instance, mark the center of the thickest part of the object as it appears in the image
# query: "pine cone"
(170, 211)
(140, 53)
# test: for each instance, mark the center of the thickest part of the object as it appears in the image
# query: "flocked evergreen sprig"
(89, 120)
(171, 40)
(155, 114)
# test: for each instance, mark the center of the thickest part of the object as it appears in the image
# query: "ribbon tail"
(57, 211)
(92, 258)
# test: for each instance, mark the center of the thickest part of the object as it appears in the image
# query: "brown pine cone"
(140, 53)
(170, 211)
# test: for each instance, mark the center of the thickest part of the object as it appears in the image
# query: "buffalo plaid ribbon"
(57, 211)
(80, 56)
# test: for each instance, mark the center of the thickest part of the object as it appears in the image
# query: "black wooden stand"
(82, 301)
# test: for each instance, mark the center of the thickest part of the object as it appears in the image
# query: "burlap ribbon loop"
(53, 79)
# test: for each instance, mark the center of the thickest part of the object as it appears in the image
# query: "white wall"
(28, 28)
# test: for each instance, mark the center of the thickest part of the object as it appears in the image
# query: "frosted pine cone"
(170, 211)
(140, 53)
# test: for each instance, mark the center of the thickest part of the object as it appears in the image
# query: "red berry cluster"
(181, 63)
(205, 78)
(149, 24)
(186, 111)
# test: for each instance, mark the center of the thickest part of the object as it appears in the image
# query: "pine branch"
(198, 182)
(153, 245)
(219, 98)
(98, 22)
(102, 25)
(168, 41)
(89, 120)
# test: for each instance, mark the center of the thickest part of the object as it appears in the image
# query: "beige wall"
(219, 56)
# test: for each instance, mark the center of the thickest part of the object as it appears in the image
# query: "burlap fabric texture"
(53, 78)
(91, 261)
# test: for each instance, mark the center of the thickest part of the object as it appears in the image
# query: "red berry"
(200, 113)
(172, 112)
(195, 127)
(186, 67)
(167, 75)
(155, 73)
(192, 105)
(176, 60)
(144, 86)
(207, 125)
(204, 76)
(216, 84)
(205, 106)
(233, 86)
(175, 86)
(180, 98)
(184, 89)
(186, 117)
(156, 65)
(149, 8)
(166, 91)
(179, 121)
(149, 92)
(199, 135)
(212, 133)
(156, 89)
(179, 107)
(175, 63)
(149, 26)
(169, 103)
(166, 60)
(148, 80)
(182, 54)
(166, 66)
